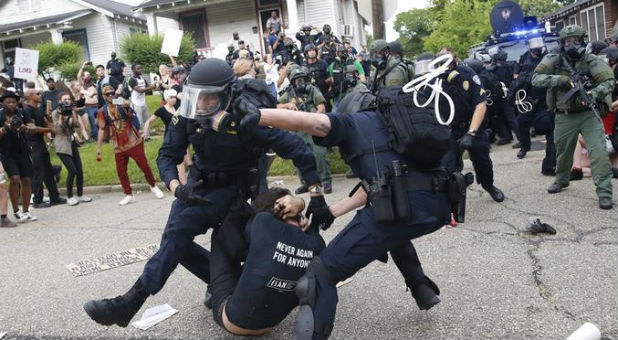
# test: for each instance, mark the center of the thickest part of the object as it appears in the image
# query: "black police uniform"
(507, 121)
(363, 239)
(318, 73)
(43, 170)
(222, 161)
(260, 294)
(464, 87)
(539, 117)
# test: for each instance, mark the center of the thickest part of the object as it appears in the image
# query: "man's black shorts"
(18, 165)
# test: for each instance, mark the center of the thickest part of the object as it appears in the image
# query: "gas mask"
(350, 81)
(343, 57)
(379, 61)
(575, 50)
(300, 86)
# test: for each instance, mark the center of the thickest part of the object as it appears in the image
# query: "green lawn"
(104, 172)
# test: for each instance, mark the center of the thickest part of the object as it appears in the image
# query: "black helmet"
(306, 28)
(207, 89)
(474, 64)
(595, 47)
(309, 47)
(395, 47)
(611, 53)
(341, 48)
(326, 29)
(500, 56)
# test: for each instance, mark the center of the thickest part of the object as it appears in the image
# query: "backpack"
(126, 87)
(415, 132)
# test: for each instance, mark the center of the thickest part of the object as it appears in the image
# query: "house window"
(593, 20)
(80, 37)
(572, 20)
(8, 48)
(559, 25)
(268, 3)
(194, 22)
(28, 5)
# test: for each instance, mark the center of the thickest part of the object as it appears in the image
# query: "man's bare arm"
(478, 116)
(314, 124)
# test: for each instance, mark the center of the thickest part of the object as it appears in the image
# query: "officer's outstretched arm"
(315, 124)
(348, 204)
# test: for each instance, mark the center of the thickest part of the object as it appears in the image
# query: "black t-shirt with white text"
(278, 256)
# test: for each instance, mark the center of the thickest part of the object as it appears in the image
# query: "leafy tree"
(145, 50)
(63, 58)
(460, 24)
(538, 8)
(413, 26)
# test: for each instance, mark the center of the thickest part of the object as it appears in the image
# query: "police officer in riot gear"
(317, 70)
(531, 104)
(574, 115)
(336, 71)
(302, 95)
(224, 172)
(229, 57)
(351, 82)
(466, 90)
(507, 121)
(386, 70)
(305, 37)
(364, 239)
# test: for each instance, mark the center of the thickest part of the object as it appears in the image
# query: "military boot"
(425, 292)
(119, 310)
(556, 187)
(495, 193)
(605, 203)
(208, 298)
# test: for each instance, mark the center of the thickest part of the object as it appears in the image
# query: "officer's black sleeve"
(289, 146)
(477, 91)
(340, 124)
(173, 149)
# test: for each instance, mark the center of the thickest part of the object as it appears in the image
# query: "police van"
(511, 30)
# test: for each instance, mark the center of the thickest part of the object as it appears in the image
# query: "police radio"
(380, 194)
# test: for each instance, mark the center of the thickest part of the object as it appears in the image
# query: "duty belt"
(424, 182)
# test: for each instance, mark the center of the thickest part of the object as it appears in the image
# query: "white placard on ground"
(26, 64)
(171, 42)
(153, 316)
(112, 260)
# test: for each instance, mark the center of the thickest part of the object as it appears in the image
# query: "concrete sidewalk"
(497, 282)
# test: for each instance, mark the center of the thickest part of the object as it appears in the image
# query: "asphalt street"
(497, 281)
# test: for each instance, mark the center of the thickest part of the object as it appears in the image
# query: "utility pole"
(377, 19)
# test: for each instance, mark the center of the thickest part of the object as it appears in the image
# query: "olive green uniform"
(396, 73)
(573, 118)
(309, 103)
(358, 87)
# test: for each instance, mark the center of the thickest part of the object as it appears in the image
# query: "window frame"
(598, 34)
(201, 11)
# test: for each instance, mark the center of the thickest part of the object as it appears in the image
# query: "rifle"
(580, 84)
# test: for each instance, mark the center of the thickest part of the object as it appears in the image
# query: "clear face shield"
(421, 67)
(204, 104)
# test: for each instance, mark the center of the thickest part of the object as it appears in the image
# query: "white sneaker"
(128, 199)
(72, 201)
(20, 217)
(84, 198)
(30, 217)
(156, 191)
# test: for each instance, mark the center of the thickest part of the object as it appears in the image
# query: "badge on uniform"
(476, 79)
(466, 85)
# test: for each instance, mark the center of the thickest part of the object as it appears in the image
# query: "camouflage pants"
(319, 152)
(567, 129)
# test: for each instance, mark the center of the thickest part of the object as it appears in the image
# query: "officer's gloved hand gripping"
(320, 214)
(187, 194)
(247, 112)
(465, 142)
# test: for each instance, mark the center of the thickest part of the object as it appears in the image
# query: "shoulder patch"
(476, 79)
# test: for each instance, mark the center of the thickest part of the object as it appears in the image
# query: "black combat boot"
(208, 298)
(522, 153)
(605, 203)
(119, 310)
(425, 292)
(495, 193)
(556, 187)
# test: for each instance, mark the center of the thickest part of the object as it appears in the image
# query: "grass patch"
(104, 172)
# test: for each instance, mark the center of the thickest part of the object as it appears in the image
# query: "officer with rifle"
(317, 70)
(576, 83)
(386, 69)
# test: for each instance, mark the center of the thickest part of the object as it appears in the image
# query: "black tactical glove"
(186, 193)
(321, 217)
(247, 112)
(465, 142)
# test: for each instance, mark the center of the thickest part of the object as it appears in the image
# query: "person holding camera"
(66, 142)
(15, 152)
(118, 115)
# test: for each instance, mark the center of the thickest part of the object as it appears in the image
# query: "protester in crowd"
(50, 97)
(271, 39)
(127, 142)
(89, 92)
(139, 87)
(165, 82)
(5, 222)
(66, 142)
(271, 70)
(102, 80)
(43, 169)
(242, 48)
(78, 96)
(244, 68)
(15, 154)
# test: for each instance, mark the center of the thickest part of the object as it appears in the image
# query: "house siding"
(10, 13)
(320, 12)
(225, 18)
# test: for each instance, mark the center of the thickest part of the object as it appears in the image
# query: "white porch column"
(292, 16)
(56, 36)
(151, 22)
